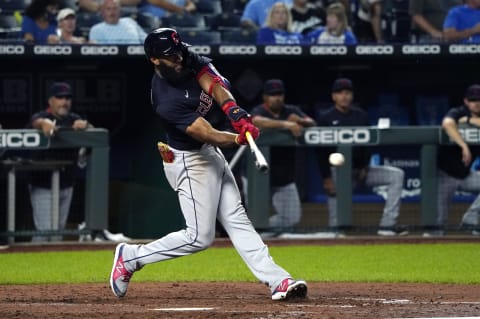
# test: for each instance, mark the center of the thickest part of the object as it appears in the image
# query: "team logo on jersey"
(206, 102)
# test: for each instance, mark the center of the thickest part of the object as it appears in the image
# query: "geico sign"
(470, 135)
(99, 50)
(12, 49)
(463, 49)
(339, 136)
(201, 49)
(421, 49)
(374, 49)
(19, 140)
(328, 50)
(283, 49)
(135, 50)
(238, 49)
(52, 49)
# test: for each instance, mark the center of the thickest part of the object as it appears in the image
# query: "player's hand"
(48, 127)
(80, 125)
(466, 155)
(241, 139)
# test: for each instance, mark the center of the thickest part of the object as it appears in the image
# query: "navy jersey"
(354, 117)
(67, 176)
(282, 158)
(449, 157)
(179, 106)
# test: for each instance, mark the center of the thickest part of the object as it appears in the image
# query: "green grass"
(432, 263)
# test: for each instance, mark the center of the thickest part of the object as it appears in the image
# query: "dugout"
(111, 87)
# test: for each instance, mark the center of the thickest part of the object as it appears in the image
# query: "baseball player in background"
(454, 163)
(193, 100)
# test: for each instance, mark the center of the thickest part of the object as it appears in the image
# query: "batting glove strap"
(233, 111)
(241, 138)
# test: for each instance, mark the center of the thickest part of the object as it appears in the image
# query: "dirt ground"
(236, 300)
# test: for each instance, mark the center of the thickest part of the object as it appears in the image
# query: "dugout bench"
(97, 171)
(428, 137)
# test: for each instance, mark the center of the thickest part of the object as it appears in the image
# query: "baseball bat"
(236, 157)
(260, 161)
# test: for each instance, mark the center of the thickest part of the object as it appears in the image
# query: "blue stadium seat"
(224, 21)
(239, 36)
(201, 37)
(208, 7)
(72, 4)
(185, 21)
(234, 6)
(430, 109)
(9, 27)
(85, 20)
(10, 6)
(148, 21)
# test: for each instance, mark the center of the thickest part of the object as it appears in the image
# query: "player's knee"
(205, 240)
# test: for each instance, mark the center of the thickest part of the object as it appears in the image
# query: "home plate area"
(240, 300)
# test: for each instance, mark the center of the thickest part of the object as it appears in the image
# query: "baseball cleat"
(392, 231)
(289, 289)
(120, 276)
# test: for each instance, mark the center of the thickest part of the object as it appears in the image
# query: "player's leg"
(446, 186)
(332, 203)
(249, 244)
(472, 184)
(392, 177)
(41, 200)
(65, 199)
(286, 203)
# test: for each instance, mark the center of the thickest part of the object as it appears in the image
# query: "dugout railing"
(96, 174)
(344, 138)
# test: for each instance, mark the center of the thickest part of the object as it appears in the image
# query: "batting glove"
(241, 138)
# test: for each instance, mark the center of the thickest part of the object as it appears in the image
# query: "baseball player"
(193, 100)
(454, 164)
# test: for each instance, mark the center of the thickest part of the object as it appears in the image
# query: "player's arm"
(45, 125)
(451, 128)
(268, 123)
(202, 131)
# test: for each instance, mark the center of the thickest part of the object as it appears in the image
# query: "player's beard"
(172, 76)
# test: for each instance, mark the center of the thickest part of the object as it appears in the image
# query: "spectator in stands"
(66, 27)
(57, 115)
(275, 114)
(114, 29)
(454, 164)
(39, 21)
(256, 12)
(462, 24)
(306, 16)
(336, 31)
(94, 5)
(427, 19)
(343, 113)
(368, 21)
(162, 8)
(278, 27)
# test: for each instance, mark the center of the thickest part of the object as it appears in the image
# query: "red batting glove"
(241, 139)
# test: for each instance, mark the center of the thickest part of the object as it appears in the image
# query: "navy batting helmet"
(163, 42)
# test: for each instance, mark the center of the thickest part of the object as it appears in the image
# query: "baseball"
(336, 159)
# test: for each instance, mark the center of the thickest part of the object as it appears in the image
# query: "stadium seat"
(234, 6)
(224, 21)
(201, 37)
(397, 20)
(9, 27)
(208, 7)
(185, 21)
(148, 21)
(73, 4)
(85, 20)
(239, 36)
(129, 11)
(10, 6)
(430, 109)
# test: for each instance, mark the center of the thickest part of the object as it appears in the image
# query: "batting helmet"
(163, 42)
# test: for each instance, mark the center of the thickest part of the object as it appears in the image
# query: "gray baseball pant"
(389, 176)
